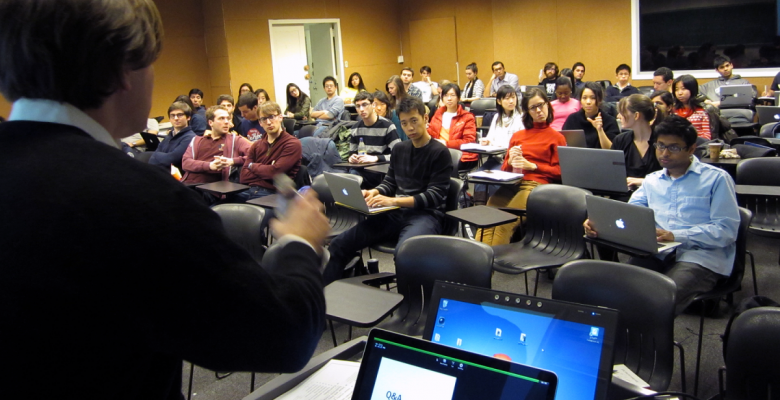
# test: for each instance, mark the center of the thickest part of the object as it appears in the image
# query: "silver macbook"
(768, 114)
(346, 192)
(736, 95)
(594, 169)
(625, 224)
(574, 137)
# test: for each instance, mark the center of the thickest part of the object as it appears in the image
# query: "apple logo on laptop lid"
(345, 192)
(620, 224)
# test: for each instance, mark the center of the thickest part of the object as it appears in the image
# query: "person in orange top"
(454, 126)
(535, 152)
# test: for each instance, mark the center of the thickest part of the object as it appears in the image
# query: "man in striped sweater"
(377, 133)
(417, 182)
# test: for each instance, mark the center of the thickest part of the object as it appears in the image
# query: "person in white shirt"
(428, 87)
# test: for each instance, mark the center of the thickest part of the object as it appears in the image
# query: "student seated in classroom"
(600, 128)
(687, 105)
(621, 88)
(563, 104)
(453, 126)
(703, 216)
(533, 152)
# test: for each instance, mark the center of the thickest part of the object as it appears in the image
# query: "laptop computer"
(768, 114)
(736, 96)
(574, 341)
(346, 192)
(625, 224)
(574, 138)
(594, 169)
(151, 140)
(396, 367)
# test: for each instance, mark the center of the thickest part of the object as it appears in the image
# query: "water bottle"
(361, 148)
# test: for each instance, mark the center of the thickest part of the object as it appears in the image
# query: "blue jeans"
(402, 224)
(253, 193)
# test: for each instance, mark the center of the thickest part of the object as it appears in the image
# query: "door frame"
(337, 33)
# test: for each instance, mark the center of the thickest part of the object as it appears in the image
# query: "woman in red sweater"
(535, 152)
(453, 126)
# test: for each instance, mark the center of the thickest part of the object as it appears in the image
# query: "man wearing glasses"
(278, 152)
(500, 78)
(378, 135)
(171, 150)
(694, 204)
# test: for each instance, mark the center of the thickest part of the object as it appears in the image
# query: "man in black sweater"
(72, 302)
(417, 182)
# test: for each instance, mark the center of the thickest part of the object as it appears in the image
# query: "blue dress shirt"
(700, 209)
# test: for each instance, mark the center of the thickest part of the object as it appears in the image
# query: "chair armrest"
(375, 280)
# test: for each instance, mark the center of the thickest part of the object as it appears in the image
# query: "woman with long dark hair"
(686, 88)
(507, 121)
(298, 103)
(663, 101)
(534, 151)
(262, 96)
(600, 128)
(395, 89)
(355, 85)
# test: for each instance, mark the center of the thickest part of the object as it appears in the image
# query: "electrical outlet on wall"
(346, 64)
(400, 59)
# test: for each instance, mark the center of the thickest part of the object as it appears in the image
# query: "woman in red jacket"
(453, 126)
(534, 151)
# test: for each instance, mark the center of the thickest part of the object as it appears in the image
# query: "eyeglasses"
(268, 118)
(363, 105)
(539, 107)
(672, 148)
(174, 116)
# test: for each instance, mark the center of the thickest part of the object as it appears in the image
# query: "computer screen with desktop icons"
(574, 341)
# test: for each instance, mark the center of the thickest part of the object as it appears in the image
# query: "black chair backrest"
(422, 260)
(450, 227)
(763, 171)
(289, 125)
(307, 131)
(555, 217)
(479, 106)
(769, 130)
(455, 156)
(245, 225)
(302, 178)
(752, 370)
(645, 299)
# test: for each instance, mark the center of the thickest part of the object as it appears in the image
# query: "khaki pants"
(507, 196)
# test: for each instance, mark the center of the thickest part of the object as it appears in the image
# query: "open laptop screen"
(574, 341)
(398, 367)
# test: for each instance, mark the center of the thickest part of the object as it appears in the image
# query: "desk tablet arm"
(284, 382)
(514, 211)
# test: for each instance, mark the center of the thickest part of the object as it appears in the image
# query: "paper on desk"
(334, 381)
(627, 375)
(477, 146)
(496, 175)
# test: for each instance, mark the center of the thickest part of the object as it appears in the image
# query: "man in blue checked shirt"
(694, 204)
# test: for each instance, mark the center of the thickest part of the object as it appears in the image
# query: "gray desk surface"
(758, 190)
(482, 216)
(265, 201)
(223, 187)
(379, 169)
(359, 166)
(359, 305)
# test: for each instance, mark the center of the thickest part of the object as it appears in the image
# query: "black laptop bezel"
(580, 313)
(451, 353)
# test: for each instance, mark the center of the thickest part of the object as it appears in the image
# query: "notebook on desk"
(346, 192)
(625, 224)
(574, 341)
(400, 367)
(594, 169)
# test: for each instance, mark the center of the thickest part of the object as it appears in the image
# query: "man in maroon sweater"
(278, 152)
